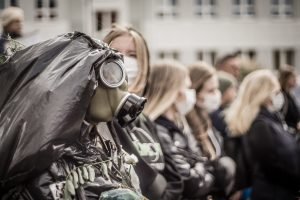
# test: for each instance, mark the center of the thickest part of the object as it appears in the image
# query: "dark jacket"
(238, 149)
(291, 110)
(218, 122)
(191, 166)
(159, 178)
(276, 156)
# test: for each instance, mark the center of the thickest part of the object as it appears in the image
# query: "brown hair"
(142, 51)
(200, 72)
(221, 61)
(198, 119)
(284, 75)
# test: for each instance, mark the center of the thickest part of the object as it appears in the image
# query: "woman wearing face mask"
(290, 110)
(169, 100)
(158, 176)
(133, 46)
(205, 82)
(275, 151)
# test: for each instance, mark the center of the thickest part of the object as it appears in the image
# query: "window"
(282, 57)
(168, 9)
(205, 8)
(207, 56)
(46, 9)
(14, 3)
(168, 55)
(53, 6)
(244, 8)
(276, 59)
(290, 57)
(282, 8)
(104, 19)
(251, 54)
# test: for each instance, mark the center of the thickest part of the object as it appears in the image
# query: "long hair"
(142, 54)
(255, 89)
(165, 80)
(284, 75)
(198, 119)
(200, 72)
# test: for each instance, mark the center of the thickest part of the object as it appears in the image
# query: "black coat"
(218, 122)
(191, 167)
(276, 157)
(291, 110)
(238, 149)
(159, 179)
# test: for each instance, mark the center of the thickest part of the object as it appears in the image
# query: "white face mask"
(184, 107)
(131, 68)
(212, 102)
(277, 101)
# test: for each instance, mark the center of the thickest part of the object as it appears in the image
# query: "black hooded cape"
(45, 92)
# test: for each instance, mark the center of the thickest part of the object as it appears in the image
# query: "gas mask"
(111, 99)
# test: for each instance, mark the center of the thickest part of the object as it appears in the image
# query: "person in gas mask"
(54, 97)
(142, 133)
(169, 99)
(205, 83)
(254, 114)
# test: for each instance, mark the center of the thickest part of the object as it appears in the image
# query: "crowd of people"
(205, 133)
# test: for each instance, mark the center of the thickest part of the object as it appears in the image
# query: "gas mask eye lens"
(112, 74)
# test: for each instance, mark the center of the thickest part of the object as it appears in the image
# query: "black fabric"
(2, 44)
(291, 110)
(218, 122)
(45, 92)
(238, 149)
(141, 168)
(276, 157)
(49, 184)
(163, 184)
(175, 143)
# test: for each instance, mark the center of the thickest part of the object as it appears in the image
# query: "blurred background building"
(266, 31)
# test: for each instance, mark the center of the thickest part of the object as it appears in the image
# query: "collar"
(171, 126)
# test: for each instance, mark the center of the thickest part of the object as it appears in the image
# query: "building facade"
(267, 31)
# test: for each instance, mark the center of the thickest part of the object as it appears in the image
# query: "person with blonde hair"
(158, 176)
(169, 100)
(133, 46)
(274, 151)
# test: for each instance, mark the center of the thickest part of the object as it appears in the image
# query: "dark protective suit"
(45, 93)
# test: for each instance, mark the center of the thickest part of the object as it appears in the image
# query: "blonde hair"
(142, 54)
(164, 83)
(11, 13)
(255, 89)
